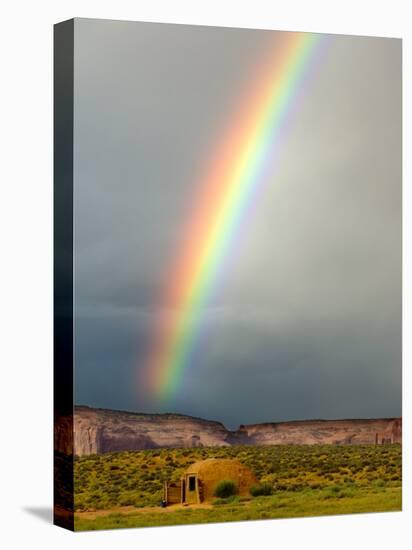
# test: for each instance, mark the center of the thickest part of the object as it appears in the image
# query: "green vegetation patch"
(225, 488)
(283, 505)
(343, 479)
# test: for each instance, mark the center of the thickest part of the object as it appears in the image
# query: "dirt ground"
(134, 510)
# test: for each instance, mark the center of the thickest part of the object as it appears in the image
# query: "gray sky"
(306, 322)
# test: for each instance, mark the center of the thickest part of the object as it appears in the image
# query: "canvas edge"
(63, 356)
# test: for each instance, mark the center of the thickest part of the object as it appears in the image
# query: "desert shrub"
(126, 500)
(263, 489)
(113, 479)
(225, 488)
(379, 483)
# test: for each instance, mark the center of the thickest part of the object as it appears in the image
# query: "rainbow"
(234, 173)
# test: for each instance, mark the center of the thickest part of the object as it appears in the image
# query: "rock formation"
(335, 432)
(99, 431)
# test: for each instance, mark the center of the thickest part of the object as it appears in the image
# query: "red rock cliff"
(100, 430)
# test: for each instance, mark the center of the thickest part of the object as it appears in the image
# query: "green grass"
(306, 481)
(284, 505)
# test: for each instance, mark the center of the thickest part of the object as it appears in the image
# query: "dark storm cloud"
(306, 321)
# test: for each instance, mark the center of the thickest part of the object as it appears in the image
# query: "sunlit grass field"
(306, 480)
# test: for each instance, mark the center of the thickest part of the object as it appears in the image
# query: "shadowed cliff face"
(99, 431)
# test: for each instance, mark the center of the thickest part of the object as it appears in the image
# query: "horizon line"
(240, 425)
